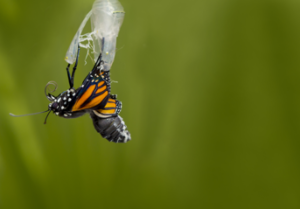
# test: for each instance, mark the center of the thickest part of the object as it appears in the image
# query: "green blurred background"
(210, 93)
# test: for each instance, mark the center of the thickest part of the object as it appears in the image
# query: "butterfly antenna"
(27, 114)
(47, 117)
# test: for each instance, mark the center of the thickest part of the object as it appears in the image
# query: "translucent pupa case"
(106, 19)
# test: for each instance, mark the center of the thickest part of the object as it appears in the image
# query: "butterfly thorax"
(62, 104)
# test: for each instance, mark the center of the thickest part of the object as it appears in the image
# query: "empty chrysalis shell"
(106, 19)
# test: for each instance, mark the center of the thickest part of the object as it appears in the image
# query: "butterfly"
(92, 97)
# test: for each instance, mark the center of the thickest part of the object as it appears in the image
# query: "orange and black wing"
(112, 108)
(93, 94)
(94, 91)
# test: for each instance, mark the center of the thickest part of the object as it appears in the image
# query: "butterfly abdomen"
(112, 128)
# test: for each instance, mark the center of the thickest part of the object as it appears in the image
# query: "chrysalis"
(106, 19)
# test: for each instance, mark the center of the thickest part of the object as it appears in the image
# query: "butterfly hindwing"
(112, 108)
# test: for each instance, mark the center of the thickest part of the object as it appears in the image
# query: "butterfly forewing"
(93, 94)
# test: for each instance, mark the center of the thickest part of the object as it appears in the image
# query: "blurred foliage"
(210, 93)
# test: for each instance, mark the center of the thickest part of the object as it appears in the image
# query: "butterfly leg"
(75, 66)
(71, 79)
(69, 76)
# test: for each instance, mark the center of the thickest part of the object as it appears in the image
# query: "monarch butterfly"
(94, 96)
